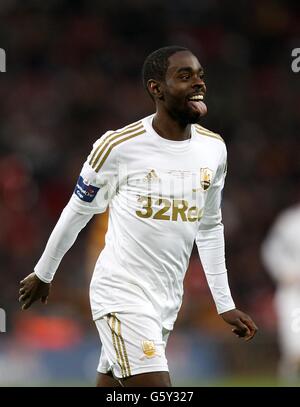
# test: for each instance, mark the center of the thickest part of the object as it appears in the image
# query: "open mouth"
(197, 104)
(196, 98)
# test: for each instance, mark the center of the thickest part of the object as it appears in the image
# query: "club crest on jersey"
(205, 178)
(84, 190)
(149, 349)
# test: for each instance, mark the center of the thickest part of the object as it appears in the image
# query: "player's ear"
(155, 89)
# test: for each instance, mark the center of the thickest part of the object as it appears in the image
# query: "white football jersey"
(162, 196)
(159, 192)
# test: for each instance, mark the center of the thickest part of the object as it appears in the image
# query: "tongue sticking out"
(199, 106)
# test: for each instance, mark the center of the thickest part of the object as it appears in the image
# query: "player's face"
(184, 88)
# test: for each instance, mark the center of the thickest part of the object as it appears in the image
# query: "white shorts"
(132, 343)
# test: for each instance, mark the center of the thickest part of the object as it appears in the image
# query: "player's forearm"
(61, 240)
(211, 248)
(219, 287)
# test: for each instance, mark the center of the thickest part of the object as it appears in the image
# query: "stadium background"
(73, 71)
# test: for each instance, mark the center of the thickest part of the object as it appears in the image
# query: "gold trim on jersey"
(121, 352)
(124, 349)
(205, 132)
(109, 139)
(119, 345)
(111, 146)
(104, 140)
(114, 339)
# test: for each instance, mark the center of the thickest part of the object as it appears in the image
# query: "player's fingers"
(251, 326)
(241, 333)
(241, 329)
(249, 322)
(24, 297)
(235, 331)
(239, 324)
(22, 291)
(44, 299)
(27, 304)
(251, 334)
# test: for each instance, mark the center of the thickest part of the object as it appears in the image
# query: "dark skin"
(33, 289)
(156, 379)
(174, 116)
(184, 78)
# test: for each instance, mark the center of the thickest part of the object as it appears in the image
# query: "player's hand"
(33, 289)
(244, 327)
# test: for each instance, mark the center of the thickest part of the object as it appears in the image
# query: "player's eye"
(185, 76)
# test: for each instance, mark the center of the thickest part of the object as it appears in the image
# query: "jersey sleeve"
(60, 241)
(92, 194)
(212, 214)
(210, 241)
(97, 181)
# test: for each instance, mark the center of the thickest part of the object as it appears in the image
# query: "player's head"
(172, 76)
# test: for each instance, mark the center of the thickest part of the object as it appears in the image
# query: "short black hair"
(156, 64)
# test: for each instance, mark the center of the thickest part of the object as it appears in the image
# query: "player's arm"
(211, 248)
(37, 285)
(91, 195)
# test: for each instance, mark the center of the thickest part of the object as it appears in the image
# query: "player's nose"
(199, 83)
(199, 86)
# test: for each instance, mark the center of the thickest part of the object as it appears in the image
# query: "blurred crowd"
(74, 71)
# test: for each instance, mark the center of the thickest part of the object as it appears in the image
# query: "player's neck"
(169, 128)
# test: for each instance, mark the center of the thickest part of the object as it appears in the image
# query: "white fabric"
(281, 248)
(281, 256)
(153, 189)
(61, 239)
(132, 343)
